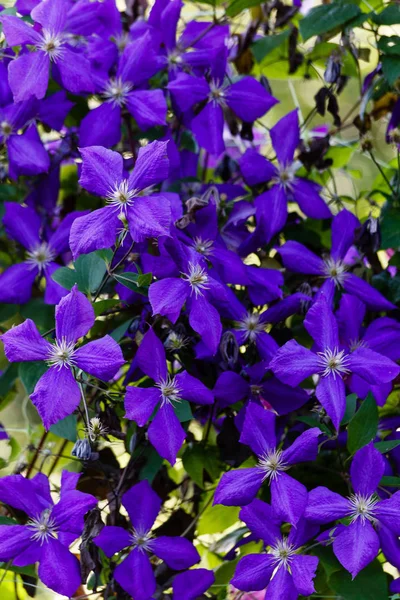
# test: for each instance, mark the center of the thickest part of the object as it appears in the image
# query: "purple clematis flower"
(247, 98)
(139, 62)
(148, 214)
(57, 394)
(134, 573)
(381, 336)
(190, 585)
(51, 528)
(294, 363)
(284, 569)
(356, 545)
(28, 74)
(165, 432)
(24, 225)
(240, 487)
(334, 268)
(271, 206)
(198, 289)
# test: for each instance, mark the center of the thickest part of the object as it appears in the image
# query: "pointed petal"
(258, 429)
(272, 210)
(75, 72)
(17, 32)
(16, 283)
(22, 224)
(368, 294)
(140, 403)
(205, 320)
(367, 470)
(151, 167)
(74, 316)
(24, 343)
(255, 168)
(135, 575)
(239, 487)
(208, 128)
(101, 358)
(167, 297)
(356, 546)
(193, 390)
(294, 363)
(248, 99)
(288, 498)
(303, 570)
(54, 407)
(285, 137)
(283, 398)
(261, 520)
(94, 231)
(321, 324)
(253, 572)
(178, 553)
(151, 356)
(324, 506)
(388, 513)
(192, 584)
(299, 259)
(187, 90)
(27, 154)
(101, 126)
(20, 493)
(28, 68)
(59, 569)
(307, 195)
(101, 170)
(372, 367)
(148, 107)
(71, 509)
(331, 393)
(230, 388)
(344, 226)
(281, 586)
(51, 14)
(304, 448)
(143, 505)
(150, 216)
(166, 433)
(350, 317)
(112, 539)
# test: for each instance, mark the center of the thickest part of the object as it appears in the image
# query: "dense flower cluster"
(208, 333)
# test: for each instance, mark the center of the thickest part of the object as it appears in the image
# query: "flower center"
(283, 553)
(286, 175)
(335, 270)
(41, 256)
(52, 44)
(169, 390)
(271, 463)
(362, 507)
(141, 540)
(121, 41)
(333, 362)
(251, 326)
(198, 278)
(217, 93)
(6, 129)
(354, 344)
(116, 91)
(61, 354)
(121, 196)
(43, 527)
(176, 341)
(203, 246)
(174, 59)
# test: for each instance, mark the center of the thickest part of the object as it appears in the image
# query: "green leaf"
(192, 461)
(327, 17)
(389, 16)
(66, 428)
(103, 305)
(120, 331)
(363, 426)
(390, 227)
(386, 445)
(340, 156)
(30, 373)
(237, 6)
(152, 466)
(370, 584)
(8, 521)
(90, 269)
(314, 422)
(391, 68)
(388, 481)
(65, 277)
(129, 280)
(217, 518)
(265, 45)
(183, 411)
(105, 255)
(351, 405)
(145, 279)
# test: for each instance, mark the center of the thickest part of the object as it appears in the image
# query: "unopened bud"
(229, 348)
(82, 449)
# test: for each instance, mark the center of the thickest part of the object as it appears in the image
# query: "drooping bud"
(369, 239)
(229, 348)
(82, 449)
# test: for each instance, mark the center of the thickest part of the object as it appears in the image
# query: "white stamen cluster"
(52, 44)
(43, 527)
(203, 247)
(363, 507)
(333, 362)
(283, 553)
(96, 428)
(122, 40)
(251, 326)
(174, 59)
(271, 463)
(198, 278)
(40, 256)
(335, 270)
(286, 175)
(176, 341)
(169, 390)
(6, 129)
(61, 354)
(121, 197)
(116, 91)
(354, 344)
(141, 540)
(217, 93)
